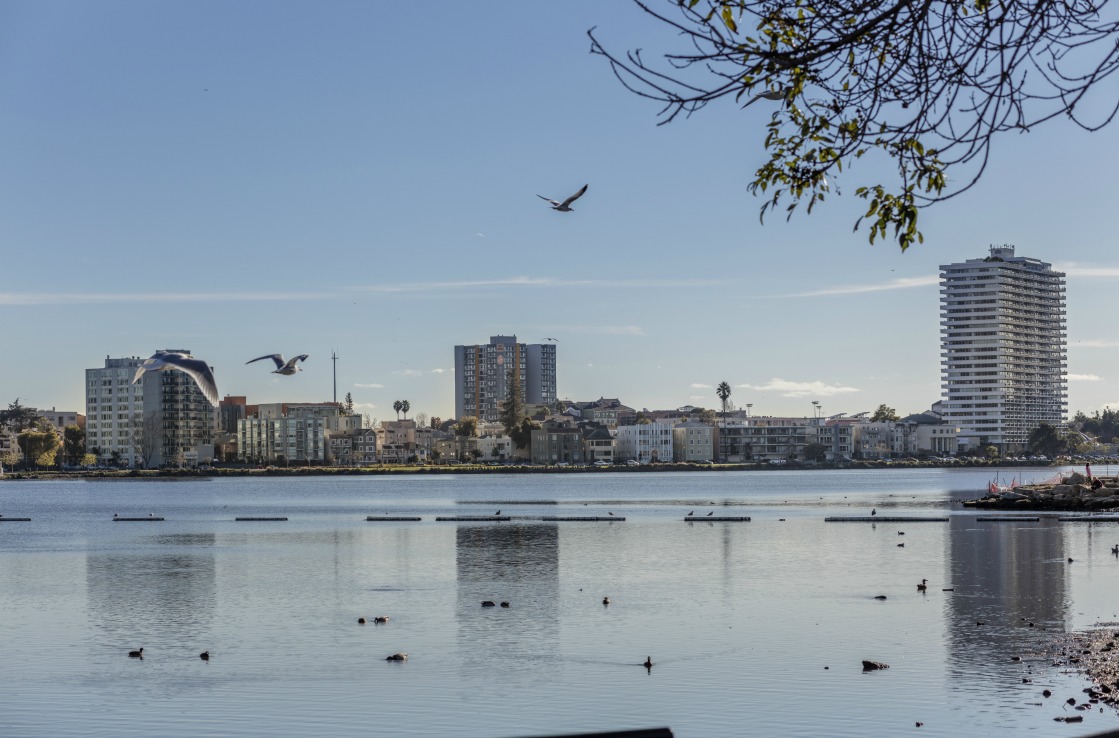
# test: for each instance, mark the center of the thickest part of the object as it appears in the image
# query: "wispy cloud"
(902, 283)
(93, 298)
(365, 405)
(787, 388)
(1095, 343)
(697, 385)
(1084, 378)
(347, 293)
(1076, 269)
(540, 282)
(369, 385)
(600, 330)
(420, 372)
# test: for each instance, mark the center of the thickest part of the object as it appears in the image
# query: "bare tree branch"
(928, 84)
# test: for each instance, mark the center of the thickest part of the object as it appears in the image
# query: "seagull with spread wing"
(287, 368)
(196, 369)
(565, 206)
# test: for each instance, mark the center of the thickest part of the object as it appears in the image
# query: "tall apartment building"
(1003, 342)
(113, 410)
(481, 375)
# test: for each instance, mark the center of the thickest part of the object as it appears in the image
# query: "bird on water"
(136, 654)
(648, 662)
(205, 655)
(873, 511)
(923, 585)
(606, 600)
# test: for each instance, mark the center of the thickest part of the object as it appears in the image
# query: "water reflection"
(1005, 576)
(518, 564)
(141, 595)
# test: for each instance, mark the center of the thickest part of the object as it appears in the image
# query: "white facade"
(1003, 363)
(114, 409)
(645, 443)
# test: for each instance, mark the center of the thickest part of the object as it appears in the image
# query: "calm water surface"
(754, 628)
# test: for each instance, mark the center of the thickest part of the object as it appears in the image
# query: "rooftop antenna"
(334, 358)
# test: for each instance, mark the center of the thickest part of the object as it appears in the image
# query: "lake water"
(754, 628)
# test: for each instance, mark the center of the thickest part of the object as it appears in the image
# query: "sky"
(247, 178)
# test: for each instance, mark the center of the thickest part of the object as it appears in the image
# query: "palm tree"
(723, 393)
(405, 406)
(397, 406)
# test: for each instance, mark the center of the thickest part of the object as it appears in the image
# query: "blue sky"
(243, 178)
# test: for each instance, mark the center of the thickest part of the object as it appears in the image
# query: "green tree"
(397, 406)
(348, 405)
(723, 393)
(512, 413)
(523, 437)
(405, 406)
(815, 452)
(884, 414)
(926, 86)
(73, 444)
(1046, 440)
(89, 459)
(436, 421)
(642, 419)
(40, 447)
(18, 418)
(467, 427)
(707, 416)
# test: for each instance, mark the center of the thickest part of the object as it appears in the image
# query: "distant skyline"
(249, 178)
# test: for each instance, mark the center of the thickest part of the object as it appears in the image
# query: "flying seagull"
(766, 95)
(565, 206)
(196, 369)
(287, 368)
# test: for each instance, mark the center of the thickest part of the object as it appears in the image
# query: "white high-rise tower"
(1003, 363)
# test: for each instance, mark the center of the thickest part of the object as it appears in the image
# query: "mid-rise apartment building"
(114, 411)
(178, 423)
(1003, 344)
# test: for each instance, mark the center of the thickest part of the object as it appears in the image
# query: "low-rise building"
(599, 444)
(693, 441)
(557, 441)
(646, 443)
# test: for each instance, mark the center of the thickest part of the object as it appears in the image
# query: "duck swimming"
(923, 585)
(136, 654)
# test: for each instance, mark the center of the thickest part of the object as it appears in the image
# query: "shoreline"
(436, 469)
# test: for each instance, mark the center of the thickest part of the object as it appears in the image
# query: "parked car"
(633, 462)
